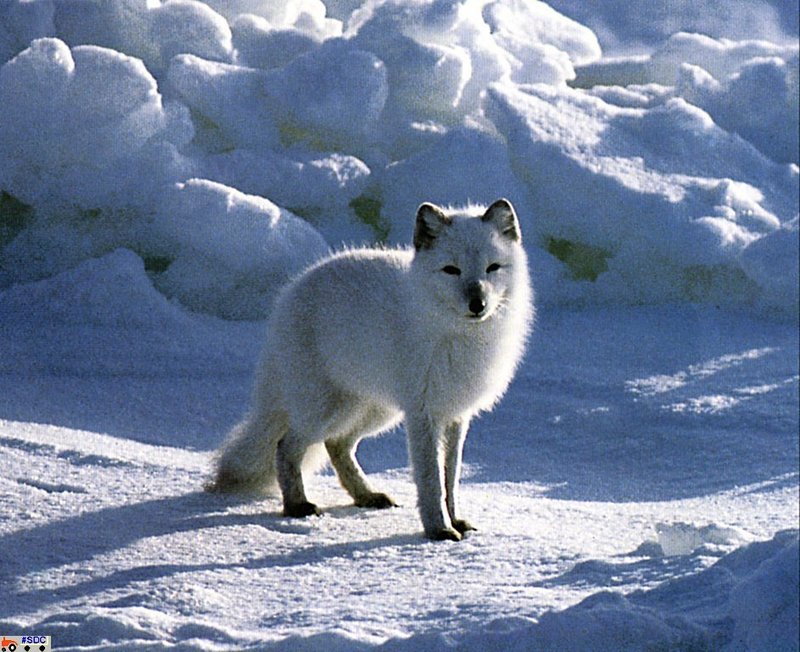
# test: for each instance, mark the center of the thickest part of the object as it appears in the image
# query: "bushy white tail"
(246, 462)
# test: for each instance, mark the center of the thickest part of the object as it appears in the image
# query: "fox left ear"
(504, 217)
(430, 222)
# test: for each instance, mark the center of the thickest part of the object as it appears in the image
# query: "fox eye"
(493, 268)
(452, 270)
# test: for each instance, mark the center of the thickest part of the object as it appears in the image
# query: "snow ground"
(165, 166)
(636, 449)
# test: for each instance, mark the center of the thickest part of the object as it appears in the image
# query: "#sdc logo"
(25, 644)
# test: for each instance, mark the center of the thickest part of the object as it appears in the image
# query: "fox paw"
(299, 510)
(444, 534)
(463, 526)
(376, 501)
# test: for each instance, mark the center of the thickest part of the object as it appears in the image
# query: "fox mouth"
(478, 317)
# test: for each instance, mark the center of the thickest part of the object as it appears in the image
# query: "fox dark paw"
(376, 501)
(300, 510)
(463, 526)
(444, 534)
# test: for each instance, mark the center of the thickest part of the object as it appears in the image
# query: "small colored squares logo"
(25, 644)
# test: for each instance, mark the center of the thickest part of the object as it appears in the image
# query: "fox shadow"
(81, 538)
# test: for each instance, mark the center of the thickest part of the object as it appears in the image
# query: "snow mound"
(329, 97)
(440, 56)
(661, 201)
(682, 181)
(228, 102)
(466, 165)
(747, 601)
(728, 79)
(81, 127)
(261, 45)
(233, 250)
(308, 17)
(623, 26)
(721, 58)
(152, 32)
(112, 291)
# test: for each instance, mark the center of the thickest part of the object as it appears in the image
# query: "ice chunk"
(307, 16)
(260, 45)
(332, 97)
(667, 197)
(719, 57)
(465, 166)
(544, 43)
(76, 123)
(631, 25)
(737, 103)
(442, 54)
(310, 184)
(188, 26)
(112, 290)
(233, 250)
(153, 33)
(684, 538)
(426, 76)
(229, 103)
(772, 262)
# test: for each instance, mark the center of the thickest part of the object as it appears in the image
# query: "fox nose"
(476, 299)
(476, 305)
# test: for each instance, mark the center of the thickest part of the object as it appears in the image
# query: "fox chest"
(466, 375)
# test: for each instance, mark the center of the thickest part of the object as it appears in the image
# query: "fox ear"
(430, 222)
(504, 217)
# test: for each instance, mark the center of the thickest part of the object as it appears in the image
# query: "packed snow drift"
(166, 166)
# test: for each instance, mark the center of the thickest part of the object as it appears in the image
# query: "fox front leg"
(454, 437)
(426, 450)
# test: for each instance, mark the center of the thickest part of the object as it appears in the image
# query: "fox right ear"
(503, 215)
(430, 222)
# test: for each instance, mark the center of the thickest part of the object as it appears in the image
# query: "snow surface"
(619, 490)
(166, 166)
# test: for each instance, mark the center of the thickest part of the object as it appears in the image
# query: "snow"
(234, 250)
(166, 165)
(605, 515)
(625, 26)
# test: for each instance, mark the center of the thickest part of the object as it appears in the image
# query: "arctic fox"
(368, 338)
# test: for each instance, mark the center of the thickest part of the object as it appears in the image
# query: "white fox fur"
(370, 337)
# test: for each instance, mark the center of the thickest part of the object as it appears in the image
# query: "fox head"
(471, 260)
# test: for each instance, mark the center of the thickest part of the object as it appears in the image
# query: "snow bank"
(350, 115)
(626, 25)
(441, 55)
(112, 291)
(233, 250)
(728, 79)
(645, 203)
(466, 165)
(305, 16)
(747, 601)
(148, 31)
(85, 127)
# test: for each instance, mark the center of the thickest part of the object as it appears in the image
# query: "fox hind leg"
(290, 453)
(342, 451)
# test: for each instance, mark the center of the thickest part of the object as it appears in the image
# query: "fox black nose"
(476, 305)
(476, 299)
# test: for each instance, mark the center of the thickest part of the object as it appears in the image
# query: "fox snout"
(476, 299)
